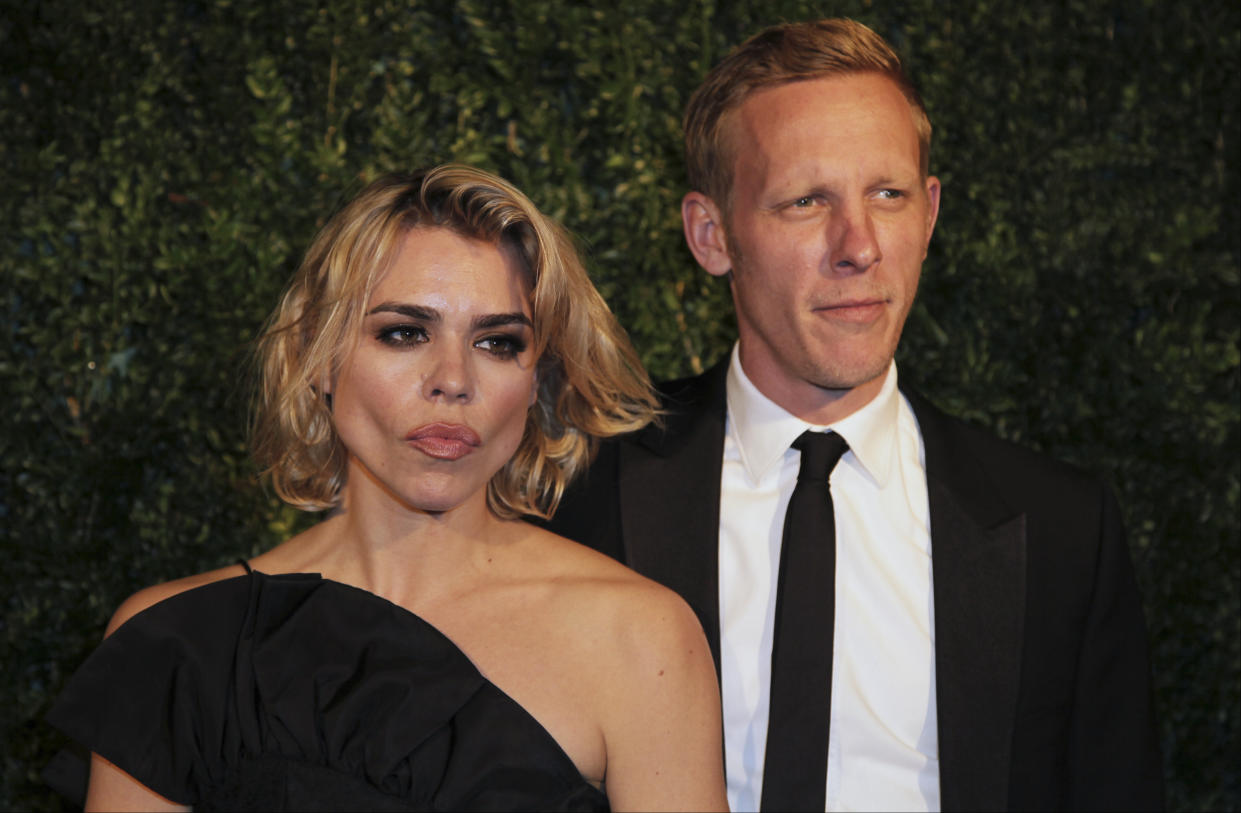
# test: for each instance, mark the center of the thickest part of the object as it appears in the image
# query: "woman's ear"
(324, 381)
(323, 387)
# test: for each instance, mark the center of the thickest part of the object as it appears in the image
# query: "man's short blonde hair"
(776, 56)
(590, 381)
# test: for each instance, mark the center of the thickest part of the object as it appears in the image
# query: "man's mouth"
(853, 310)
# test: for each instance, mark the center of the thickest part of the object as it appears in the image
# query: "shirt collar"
(764, 431)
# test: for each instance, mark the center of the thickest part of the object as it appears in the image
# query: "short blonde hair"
(590, 381)
(776, 56)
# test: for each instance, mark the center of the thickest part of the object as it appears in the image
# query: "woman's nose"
(449, 378)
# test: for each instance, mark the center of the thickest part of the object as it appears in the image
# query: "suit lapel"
(670, 496)
(979, 570)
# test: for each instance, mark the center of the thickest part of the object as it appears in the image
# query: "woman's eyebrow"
(420, 312)
(502, 319)
(427, 314)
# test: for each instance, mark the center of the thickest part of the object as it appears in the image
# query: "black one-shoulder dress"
(298, 693)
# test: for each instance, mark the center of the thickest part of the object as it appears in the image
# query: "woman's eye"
(501, 346)
(401, 335)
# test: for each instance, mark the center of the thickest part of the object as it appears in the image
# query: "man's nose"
(450, 378)
(854, 242)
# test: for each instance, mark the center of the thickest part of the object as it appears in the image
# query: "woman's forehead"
(445, 269)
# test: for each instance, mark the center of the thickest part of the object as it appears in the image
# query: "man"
(984, 647)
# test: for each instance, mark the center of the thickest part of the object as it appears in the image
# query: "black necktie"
(795, 767)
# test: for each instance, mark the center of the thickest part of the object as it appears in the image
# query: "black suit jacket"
(1042, 676)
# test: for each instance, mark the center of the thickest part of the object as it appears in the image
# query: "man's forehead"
(847, 96)
(856, 116)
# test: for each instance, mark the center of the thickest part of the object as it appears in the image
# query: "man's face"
(828, 227)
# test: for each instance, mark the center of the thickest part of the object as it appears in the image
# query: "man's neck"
(818, 406)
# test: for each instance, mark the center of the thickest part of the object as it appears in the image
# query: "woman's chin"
(435, 501)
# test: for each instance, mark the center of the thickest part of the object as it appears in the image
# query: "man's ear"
(704, 232)
(932, 213)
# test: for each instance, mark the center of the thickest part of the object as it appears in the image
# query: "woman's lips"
(444, 441)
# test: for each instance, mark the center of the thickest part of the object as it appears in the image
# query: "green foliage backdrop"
(164, 163)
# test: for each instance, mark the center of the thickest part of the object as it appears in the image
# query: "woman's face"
(431, 401)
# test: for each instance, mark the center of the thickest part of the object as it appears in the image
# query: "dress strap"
(246, 565)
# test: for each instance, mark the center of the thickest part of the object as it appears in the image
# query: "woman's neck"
(407, 556)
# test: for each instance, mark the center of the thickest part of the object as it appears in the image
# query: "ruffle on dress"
(293, 692)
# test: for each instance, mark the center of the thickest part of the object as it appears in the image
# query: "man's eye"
(501, 346)
(891, 194)
(804, 202)
(401, 335)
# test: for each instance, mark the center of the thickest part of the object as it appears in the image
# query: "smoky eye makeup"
(504, 345)
(400, 334)
(501, 335)
(504, 335)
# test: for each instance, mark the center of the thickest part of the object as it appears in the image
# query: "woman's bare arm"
(112, 789)
(662, 717)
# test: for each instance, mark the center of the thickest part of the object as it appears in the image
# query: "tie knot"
(820, 452)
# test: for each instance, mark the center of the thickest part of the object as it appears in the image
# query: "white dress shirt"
(883, 749)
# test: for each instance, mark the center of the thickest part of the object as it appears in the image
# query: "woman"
(439, 366)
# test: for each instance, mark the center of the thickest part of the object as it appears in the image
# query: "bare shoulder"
(640, 618)
(150, 596)
(655, 632)
(653, 690)
(290, 556)
(574, 564)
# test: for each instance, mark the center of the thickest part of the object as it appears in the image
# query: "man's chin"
(845, 378)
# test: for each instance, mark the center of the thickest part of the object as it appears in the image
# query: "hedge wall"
(165, 163)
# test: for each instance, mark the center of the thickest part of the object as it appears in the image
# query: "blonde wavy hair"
(590, 381)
